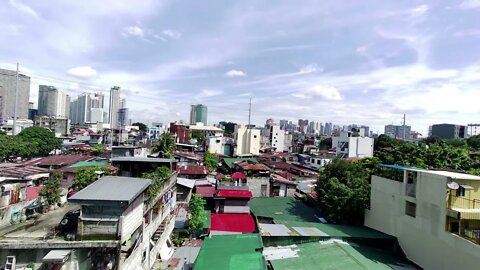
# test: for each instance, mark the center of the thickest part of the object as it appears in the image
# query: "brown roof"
(192, 170)
(247, 166)
(58, 160)
(188, 155)
(287, 175)
(279, 179)
(22, 171)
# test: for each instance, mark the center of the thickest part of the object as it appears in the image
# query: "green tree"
(43, 139)
(198, 215)
(14, 146)
(165, 146)
(85, 176)
(474, 142)
(52, 187)
(343, 192)
(159, 177)
(141, 126)
(210, 161)
(98, 149)
(199, 136)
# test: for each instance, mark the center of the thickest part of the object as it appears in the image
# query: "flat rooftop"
(298, 219)
(112, 188)
(231, 252)
(332, 255)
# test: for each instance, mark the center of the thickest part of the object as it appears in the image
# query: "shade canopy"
(238, 175)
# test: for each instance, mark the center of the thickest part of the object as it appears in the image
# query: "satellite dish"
(453, 185)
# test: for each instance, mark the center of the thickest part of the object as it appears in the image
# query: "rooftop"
(205, 191)
(142, 159)
(231, 252)
(112, 188)
(27, 172)
(452, 175)
(232, 193)
(83, 164)
(192, 170)
(230, 161)
(242, 223)
(58, 160)
(190, 183)
(332, 255)
(251, 166)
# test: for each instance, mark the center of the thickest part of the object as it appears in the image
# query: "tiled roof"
(58, 160)
(243, 223)
(192, 170)
(232, 193)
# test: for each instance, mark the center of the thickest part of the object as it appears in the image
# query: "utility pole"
(404, 126)
(15, 104)
(249, 112)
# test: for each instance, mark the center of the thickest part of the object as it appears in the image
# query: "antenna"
(404, 126)
(249, 112)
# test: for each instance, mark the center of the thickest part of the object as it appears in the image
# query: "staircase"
(158, 233)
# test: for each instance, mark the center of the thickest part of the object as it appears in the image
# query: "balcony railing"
(462, 203)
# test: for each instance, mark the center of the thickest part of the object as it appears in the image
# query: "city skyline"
(383, 60)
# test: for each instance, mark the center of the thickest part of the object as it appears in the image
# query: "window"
(460, 192)
(255, 136)
(319, 162)
(410, 209)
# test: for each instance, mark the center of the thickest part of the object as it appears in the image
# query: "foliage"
(199, 135)
(44, 139)
(343, 191)
(198, 214)
(385, 141)
(85, 176)
(210, 161)
(165, 146)
(98, 149)
(14, 146)
(474, 142)
(159, 176)
(141, 126)
(51, 188)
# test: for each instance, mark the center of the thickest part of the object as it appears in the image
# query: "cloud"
(324, 92)
(133, 31)
(235, 73)
(23, 8)
(211, 93)
(82, 72)
(422, 9)
(172, 34)
(467, 4)
(309, 69)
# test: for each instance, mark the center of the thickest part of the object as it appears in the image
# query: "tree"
(198, 215)
(51, 188)
(199, 136)
(85, 176)
(210, 161)
(159, 177)
(44, 139)
(165, 146)
(343, 192)
(141, 126)
(98, 149)
(474, 142)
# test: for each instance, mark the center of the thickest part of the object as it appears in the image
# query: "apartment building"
(350, 145)
(435, 215)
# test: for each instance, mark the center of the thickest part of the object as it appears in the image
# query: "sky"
(350, 61)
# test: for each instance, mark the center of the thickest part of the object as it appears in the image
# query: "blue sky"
(350, 61)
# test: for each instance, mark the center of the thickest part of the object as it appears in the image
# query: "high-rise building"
(122, 117)
(87, 108)
(328, 129)
(198, 113)
(52, 102)
(7, 95)
(284, 124)
(277, 138)
(123, 103)
(247, 141)
(398, 131)
(449, 131)
(302, 126)
(114, 106)
(311, 127)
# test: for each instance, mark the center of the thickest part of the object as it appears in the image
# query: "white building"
(428, 215)
(277, 138)
(208, 131)
(247, 140)
(19, 126)
(52, 102)
(114, 106)
(350, 145)
(319, 161)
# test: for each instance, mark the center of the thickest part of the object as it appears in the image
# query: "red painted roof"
(32, 192)
(233, 193)
(243, 223)
(205, 191)
(238, 175)
(192, 170)
(58, 160)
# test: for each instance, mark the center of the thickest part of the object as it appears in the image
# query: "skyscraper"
(7, 94)
(52, 102)
(198, 113)
(87, 108)
(114, 106)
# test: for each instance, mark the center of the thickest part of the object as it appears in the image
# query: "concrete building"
(21, 124)
(59, 126)
(142, 225)
(198, 113)
(350, 145)
(277, 138)
(398, 131)
(7, 95)
(208, 131)
(328, 129)
(302, 126)
(432, 214)
(52, 102)
(87, 108)
(449, 131)
(247, 140)
(122, 117)
(114, 106)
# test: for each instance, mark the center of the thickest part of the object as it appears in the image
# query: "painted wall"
(255, 185)
(423, 238)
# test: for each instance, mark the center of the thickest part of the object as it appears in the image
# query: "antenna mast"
(249, 112)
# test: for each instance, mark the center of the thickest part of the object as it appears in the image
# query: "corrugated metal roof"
(190, 183)
(22, 171)
(243, 223)
(112, 188)
(143, 159)
(58, 160)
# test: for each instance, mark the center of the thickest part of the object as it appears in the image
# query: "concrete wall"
(255, 185)
(423, 238)
(132, 218)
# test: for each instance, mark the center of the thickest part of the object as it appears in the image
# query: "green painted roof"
(82, 164)
(337, 256)
(229, 161)
(295, 213)
(231, 252)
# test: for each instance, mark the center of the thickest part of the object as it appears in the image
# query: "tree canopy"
(141, 126)
(165, 146)
(199, 136)
(52, 187)
(159, 176)
(197, 211)
(85, 176)
(31, 142)
(210, 161)
(44, 140)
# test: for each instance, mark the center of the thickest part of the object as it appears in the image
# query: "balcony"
(167, 185)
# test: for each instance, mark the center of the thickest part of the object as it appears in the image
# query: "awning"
(466, 186)
(57, 256)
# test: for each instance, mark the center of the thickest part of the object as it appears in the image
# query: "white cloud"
(325, 92)
(23, 8)
(82, 71)
(419, 10)
(470, 4)
(211, 93)
(172, 34)
(310, 69)
(133, 31)
(235, 73)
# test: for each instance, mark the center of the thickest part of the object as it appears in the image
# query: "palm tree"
(165, 146)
